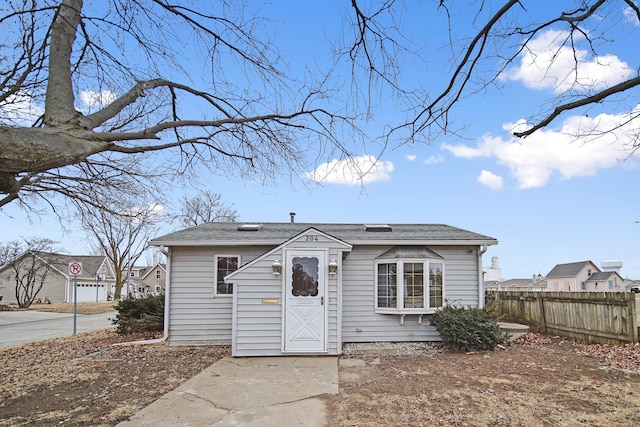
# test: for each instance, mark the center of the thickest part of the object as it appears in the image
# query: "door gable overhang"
(303, 240)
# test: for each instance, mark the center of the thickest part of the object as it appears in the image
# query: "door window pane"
(304, 276)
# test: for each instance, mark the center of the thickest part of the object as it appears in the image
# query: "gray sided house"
(272, 289)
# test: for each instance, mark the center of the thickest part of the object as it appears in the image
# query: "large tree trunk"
(59, 108)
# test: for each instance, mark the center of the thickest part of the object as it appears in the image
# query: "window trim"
(215, 273)
(400, 262)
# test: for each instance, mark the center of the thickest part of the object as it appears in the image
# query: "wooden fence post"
(542, 321)
(632, 315)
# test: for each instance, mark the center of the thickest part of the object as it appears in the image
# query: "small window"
(583, 286)
(158, 274)
(436, 284)
(610, 284)
(225, 265)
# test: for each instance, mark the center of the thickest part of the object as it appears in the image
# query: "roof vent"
(249, 227)
(377, 227)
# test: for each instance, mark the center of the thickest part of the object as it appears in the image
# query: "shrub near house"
(468, 329)
(138, 315)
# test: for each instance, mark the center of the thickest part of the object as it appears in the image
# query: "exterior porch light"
(276, 267)
(333, 267)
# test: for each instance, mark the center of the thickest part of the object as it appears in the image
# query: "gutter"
(167, 288)
(481, 252)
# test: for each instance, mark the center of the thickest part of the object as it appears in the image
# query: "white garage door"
(88, 292)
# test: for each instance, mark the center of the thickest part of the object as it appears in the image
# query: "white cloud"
(434, 159)
(491, 180)
(411, 157)
(150, 213)
(20, 110)
(91, 99)
(464, 151)
(353, 171)
(630, 16)
(547, 64)
(535, 159)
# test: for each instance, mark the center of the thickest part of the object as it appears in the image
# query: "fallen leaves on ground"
(623, 357)
(84, 380)
(537, 381)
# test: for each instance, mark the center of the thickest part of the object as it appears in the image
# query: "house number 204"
(311, 238)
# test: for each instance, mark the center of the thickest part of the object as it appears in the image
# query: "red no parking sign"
(75, 268)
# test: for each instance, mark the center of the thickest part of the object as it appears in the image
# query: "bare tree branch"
(258, 131)
(598, 97)
(206, 206)
(123, 236)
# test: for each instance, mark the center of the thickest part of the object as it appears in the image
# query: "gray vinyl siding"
(258, 329)
(196, 315)
(360, 322)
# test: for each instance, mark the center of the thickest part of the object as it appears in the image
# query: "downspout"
(481, 252)
(167, 286)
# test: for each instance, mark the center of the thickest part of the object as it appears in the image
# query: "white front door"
(305, 307)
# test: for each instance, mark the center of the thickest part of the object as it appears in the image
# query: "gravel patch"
(393, 348)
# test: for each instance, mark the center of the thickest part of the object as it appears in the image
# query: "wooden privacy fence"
(594, 317)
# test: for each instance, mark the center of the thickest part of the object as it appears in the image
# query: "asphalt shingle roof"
(604, 275)
(569, 269)
(276, 232)
(90, 264)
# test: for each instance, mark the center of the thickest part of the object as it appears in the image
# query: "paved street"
(19, 327)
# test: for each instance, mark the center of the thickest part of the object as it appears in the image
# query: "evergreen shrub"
(136, 315)
(468, 329)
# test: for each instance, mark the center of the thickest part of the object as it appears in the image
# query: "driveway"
(20, 327)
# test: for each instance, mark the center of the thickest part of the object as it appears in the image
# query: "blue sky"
(547, 199)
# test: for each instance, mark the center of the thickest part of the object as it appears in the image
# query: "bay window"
(409, 285)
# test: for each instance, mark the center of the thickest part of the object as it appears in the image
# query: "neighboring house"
(92, 282)
(146, 280)
(605, 281)
(536, 284)
(273, 289)
(583, 276)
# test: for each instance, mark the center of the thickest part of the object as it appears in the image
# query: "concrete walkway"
(252, 391)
